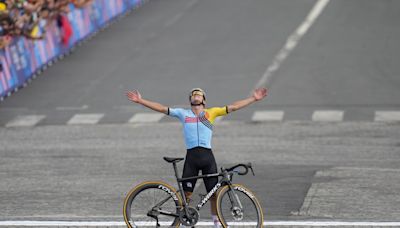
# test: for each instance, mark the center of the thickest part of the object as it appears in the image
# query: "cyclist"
(197, 128)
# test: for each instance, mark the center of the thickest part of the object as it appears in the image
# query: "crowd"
(29, 18)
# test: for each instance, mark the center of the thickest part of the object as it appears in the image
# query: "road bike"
(158, 204)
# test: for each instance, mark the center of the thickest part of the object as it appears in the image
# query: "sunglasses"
(197, 93)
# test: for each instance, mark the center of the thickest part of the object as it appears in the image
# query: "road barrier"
(24, 59)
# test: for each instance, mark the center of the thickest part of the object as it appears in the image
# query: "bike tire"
(142, 198)
(251, 214)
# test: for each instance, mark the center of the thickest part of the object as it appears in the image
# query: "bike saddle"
(170, 160)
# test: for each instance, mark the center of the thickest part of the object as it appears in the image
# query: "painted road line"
(25, 121)
(331, 223)
(85, 119)
(387, 116)
(266, 223)
(292, 42)
(261, 116)
(146, 117)
(328, 116)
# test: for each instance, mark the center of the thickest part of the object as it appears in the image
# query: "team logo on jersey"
(203, 118)
(189, 119)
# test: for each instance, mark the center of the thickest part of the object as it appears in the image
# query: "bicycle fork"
(236, 205)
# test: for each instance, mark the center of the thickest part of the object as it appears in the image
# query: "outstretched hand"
(260, 93)
(134, 96)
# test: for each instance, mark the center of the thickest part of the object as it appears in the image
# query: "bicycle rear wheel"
(151, 200)
(238, 207)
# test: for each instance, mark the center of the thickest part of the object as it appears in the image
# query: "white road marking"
(328, 116)
(146, 117)
(85, 119)
(330, 223)
(292, 42)
(387, 116)
(25, 121)
(266, 223)
(260, 116)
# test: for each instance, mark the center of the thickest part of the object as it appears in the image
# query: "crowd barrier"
(24, 58)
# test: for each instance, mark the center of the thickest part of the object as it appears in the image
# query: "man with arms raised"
(198, 124)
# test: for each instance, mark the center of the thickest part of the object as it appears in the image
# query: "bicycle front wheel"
(238, 207)
(152, 201)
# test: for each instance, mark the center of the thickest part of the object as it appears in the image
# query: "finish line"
(266, 223)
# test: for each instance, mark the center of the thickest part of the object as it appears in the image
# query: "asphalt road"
(347, 61)
(330, 171)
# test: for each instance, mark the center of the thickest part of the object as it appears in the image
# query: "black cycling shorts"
(199, 158)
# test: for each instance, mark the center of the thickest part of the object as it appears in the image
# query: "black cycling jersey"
(199, 158)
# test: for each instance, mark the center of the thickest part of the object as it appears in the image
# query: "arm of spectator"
(33, 7)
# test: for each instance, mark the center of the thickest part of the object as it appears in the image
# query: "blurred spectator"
(29, 18)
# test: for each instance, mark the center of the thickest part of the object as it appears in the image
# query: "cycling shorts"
(199, 159)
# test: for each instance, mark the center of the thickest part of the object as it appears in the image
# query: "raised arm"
(258, 94)
(135, 96)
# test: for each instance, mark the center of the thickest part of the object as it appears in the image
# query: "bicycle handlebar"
(245, 166)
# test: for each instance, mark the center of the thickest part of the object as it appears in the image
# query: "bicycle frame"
(183, 208)
(225, 180)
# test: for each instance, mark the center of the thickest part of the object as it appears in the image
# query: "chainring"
(192, 219)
